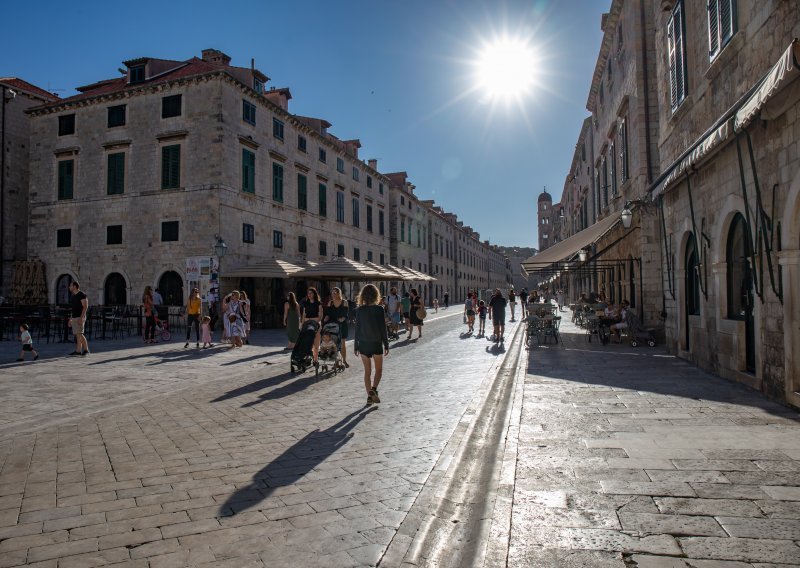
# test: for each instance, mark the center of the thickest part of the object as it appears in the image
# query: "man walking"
(446, 299)
(393, 306)
(79, 305)
(497, 313)
(523, 302)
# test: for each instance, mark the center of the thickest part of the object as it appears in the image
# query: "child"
(27, 342)
(372, 341)
(469, 312)
(206, 328)
(436, 305)
(327, 347)
(482, 309)
(236, 330)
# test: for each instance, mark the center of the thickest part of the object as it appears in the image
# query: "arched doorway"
(62, 289)
(170, 285)
(691, 288)
(740, 285)
(115, 290)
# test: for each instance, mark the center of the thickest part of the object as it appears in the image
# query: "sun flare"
(506, 68)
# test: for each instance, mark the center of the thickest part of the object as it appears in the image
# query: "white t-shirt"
(25, 338)
(392, 301)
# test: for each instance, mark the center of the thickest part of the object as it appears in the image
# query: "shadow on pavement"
(643, 368)
(294, 463)
(256, 386)
(307, 379)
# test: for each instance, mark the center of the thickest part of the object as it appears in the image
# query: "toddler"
(482, 309)
(206, 329)
(27, 342)
(327, 347)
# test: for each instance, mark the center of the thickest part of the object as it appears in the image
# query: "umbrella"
(421, 275)
(404, 272)
(339, 268)
(386, 273)
(273, 268)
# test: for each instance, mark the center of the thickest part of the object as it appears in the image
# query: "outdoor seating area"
(542, 324)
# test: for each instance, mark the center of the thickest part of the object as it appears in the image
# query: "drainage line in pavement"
(456, 531)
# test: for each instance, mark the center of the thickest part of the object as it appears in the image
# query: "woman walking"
(193, 306)
(291, 320)
(311, 309)
(416, 305)
(337, 312)
(371, 340)
(231, 306)
(149, 315)
(245, 313)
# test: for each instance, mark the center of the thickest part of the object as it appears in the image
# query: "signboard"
(202, 272)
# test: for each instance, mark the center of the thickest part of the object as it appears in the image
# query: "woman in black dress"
(311, 309)
(338, 312)
(371, 341)
(416, 304)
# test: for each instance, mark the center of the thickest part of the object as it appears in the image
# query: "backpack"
(468, 304)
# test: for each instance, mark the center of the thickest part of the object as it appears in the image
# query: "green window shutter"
(302, 192)
(66, 173)
(277, 182)
(713, 27)
(171, 167)
(323, 200)
(116, 174)
(248, 171)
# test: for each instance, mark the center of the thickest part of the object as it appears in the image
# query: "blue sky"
(397, 74)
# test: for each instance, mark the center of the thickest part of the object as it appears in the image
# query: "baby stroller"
(301, 358)
(161, 331)
(392, 329)
(331, 358)
(637, 332)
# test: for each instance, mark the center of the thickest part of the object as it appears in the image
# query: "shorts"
(370, 348)
(482, 317)
(77, 326)
(396, 317)
(407, 315)
(499, 319)
(27, 347)
(470, 313)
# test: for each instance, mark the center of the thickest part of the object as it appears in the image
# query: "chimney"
(216, 56)
(373, 163)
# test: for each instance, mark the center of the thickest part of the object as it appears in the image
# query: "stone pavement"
(630, 457)
(163, 457)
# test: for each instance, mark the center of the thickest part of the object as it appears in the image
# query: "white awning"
(570, 246)
(773, 96)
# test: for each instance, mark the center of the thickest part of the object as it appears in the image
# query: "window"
(302, 245)
(66, 124)
(721, 24)
(623, 149)
(340, 206)
(171, 106)
(249, 112)
(258, 85)
(402, 200)
(323, 248)
(369, 256)
(369, 218)
(605, 181)
(277, 129)
(171, 167)
(169, 231)
(115, 173)
(613, 157)
(340, 250)
(248, 233)
(64, 238)
(136, 74)
(676, 53)
(740, 280)
(323, 200)
(323, 155)
(355, 173)
(356, 212)
(402, 230)
(302, 192)
(116, 116)
(340, 165)
(301, 143)
(248, 171)
(380, 188)
(356, 254)
(383, 259)
(692, 278)
(380, 222)
(277, 182)
(66, 174)
(114, 235)
(369, 182)
(277, 239)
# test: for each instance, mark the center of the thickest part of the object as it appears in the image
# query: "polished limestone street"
(564, 454)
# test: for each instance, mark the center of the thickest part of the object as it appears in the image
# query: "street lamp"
(220, 248)
(582, 254)
(626, 216)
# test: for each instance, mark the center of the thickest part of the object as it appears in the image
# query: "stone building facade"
(727, 86)
(137, 174)
(16, 97)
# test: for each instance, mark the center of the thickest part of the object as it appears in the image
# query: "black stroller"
(637, 332)
(302, 357)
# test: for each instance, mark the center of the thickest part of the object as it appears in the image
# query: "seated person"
(327, 346)
(622, 323)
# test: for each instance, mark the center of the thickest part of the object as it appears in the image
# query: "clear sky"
(399, 75)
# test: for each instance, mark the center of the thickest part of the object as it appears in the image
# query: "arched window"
(739, 277)
(692, 278)
(170, 286)
(62, 289)
(115, 290)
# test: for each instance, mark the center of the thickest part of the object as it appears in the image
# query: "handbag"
(421, 313)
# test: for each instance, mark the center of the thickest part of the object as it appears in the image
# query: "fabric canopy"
(569, 247)
(339, 268)
(272, 268)
(387, 273)
(773, 87)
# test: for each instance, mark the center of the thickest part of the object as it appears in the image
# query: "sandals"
(373, 394)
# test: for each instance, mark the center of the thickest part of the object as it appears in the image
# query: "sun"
(506, 68)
